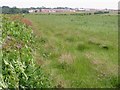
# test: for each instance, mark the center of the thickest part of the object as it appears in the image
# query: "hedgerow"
(18, 65)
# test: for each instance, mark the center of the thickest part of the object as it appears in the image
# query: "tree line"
(13, 10)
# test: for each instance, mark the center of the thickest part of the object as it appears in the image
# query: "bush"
(98, 12)
(18, 67)
(101, 12)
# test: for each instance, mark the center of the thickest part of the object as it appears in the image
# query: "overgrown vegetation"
(18, 65)
(78, 50)
(74, 50)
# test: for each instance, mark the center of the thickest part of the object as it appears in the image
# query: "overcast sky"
(100, 4)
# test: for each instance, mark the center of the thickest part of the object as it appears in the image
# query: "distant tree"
(60, 8)
(66, 8)
(99, 12)
(5, 10)
(43, 7)
(24, 11)
(32, 8)
(106, 12)
(13, 10)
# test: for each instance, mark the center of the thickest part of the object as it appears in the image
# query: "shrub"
(18, 67)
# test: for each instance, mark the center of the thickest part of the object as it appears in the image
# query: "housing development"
(70, 10)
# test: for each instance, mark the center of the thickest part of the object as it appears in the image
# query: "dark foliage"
(13, 10)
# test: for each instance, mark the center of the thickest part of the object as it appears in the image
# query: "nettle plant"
(18, 67)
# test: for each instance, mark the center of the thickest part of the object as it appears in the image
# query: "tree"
(5, 10)
(13, 10)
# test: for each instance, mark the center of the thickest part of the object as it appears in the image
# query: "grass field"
(77, 51)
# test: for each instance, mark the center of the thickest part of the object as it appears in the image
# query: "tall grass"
(78, 50)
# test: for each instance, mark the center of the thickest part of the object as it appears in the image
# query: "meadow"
(77, 50)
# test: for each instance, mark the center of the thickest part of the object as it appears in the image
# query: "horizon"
(111, 4)
(61, 7)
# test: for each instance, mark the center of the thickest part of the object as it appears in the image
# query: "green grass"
(77, 51)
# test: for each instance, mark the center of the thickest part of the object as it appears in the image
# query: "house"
(31, 11)
(51, 10)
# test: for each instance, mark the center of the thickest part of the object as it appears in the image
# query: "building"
(50, 10)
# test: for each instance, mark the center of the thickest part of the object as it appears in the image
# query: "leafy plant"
(18, 67)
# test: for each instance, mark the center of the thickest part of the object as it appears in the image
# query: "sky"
(98, 4)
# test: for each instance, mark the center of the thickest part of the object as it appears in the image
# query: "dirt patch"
(16, 17)
(26, 21)
(21, 19)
